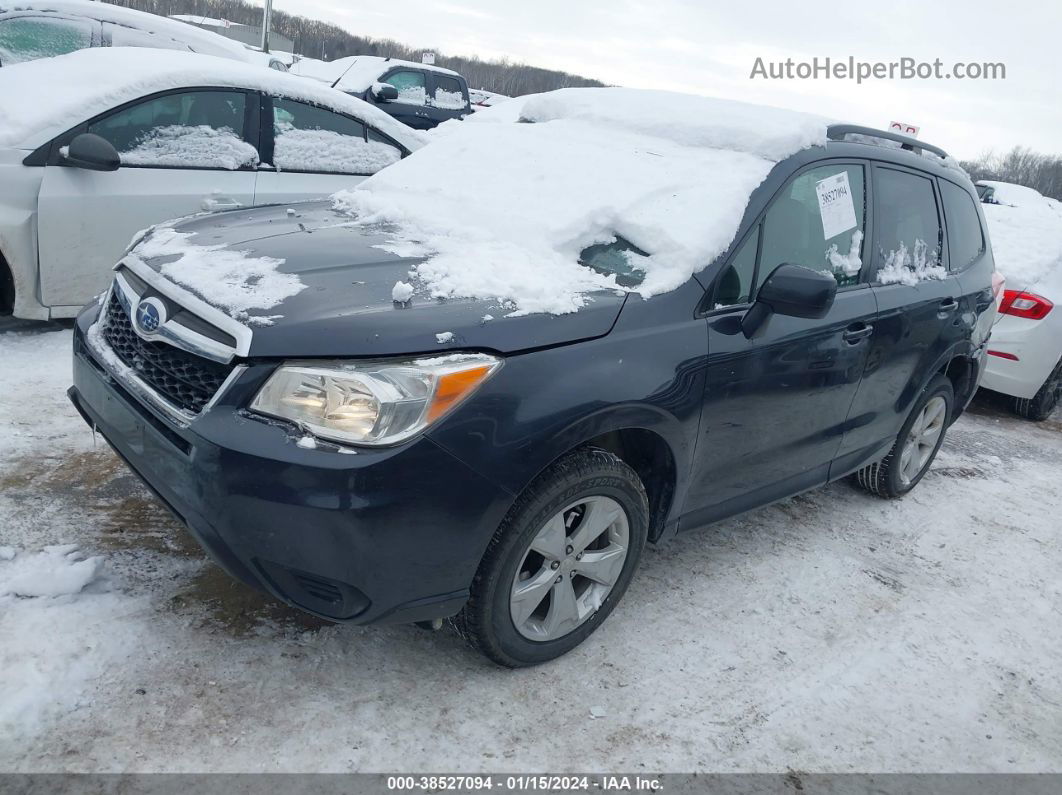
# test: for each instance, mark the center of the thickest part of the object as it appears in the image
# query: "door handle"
(214, 203)
(948, 304)
(854, 334)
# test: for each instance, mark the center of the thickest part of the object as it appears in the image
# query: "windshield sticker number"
(835, 205)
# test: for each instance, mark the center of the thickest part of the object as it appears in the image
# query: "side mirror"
(791, 290)
(93, 153)
(384, 92)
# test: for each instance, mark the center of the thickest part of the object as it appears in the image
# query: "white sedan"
(100, 143)
(1025, 351)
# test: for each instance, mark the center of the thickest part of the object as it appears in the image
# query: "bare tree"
(1022, 166)
(323, 40)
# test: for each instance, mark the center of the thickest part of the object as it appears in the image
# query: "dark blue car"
(352, 461)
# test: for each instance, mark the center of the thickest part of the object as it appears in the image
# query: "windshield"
(620, 258)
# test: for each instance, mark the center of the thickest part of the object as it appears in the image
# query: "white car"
(101, 143)
(31, 29)
(1025, 351)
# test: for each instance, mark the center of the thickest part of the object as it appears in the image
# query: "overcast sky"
(711, 49)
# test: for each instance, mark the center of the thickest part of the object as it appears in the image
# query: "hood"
(345, 306)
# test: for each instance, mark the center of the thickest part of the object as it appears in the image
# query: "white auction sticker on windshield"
(835, 205)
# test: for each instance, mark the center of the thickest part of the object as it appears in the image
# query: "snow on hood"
(503, 209)
(39, 99)
(1027, 244)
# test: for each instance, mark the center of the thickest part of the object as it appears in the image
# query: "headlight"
(372, 403)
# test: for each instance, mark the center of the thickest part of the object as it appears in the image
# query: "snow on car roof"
(358, 72)
(1026, 234)
(1014, 195)
(503, 208)
(202, 41)
(40, 99)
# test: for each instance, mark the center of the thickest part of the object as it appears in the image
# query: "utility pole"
(265, 24)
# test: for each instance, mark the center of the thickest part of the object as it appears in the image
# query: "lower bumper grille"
(183, 379)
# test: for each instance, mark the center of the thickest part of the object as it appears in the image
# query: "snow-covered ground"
(832, 632)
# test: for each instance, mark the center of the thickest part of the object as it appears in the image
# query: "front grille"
(183, 379)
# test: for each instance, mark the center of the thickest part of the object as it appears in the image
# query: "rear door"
(311, 152)
(775, 405)
(182, 152)
(919, 318)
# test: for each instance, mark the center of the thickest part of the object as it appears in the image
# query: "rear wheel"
(1040, 405)
(559, 562)
(916, 445)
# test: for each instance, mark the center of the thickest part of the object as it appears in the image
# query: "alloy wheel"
(570, 568)
(922, 439)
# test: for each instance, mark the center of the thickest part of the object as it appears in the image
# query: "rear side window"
(29, 38)
(966, 240)
(907, 227)
(448, 93)
(308, 138)
(192, 129)
(818, 221)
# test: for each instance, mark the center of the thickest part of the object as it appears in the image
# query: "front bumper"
(390, 535)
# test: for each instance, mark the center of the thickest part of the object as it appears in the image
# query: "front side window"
(907, 228)
(193, 129)
(448, 93)
(308, 138)
(412, 87)
(966, 240)
(818, 221)
(29, 38)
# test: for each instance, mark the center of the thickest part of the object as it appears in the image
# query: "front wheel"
(916, 445)
(1039, 407)
(559, 562)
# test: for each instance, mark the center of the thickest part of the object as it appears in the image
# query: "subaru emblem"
(150, 314)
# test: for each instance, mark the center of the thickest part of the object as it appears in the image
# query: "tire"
(536, 543)
(1039, 407)
(892, 476)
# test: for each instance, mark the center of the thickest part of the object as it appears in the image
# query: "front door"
(775, 405)
(182, 153)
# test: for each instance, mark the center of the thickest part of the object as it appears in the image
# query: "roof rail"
(837, 132)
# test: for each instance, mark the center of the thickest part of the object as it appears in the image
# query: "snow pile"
(919, 264)
(228, 278)
(59, 570)
(200, 146)
(42, 98)
(401, 292)
(325, 150)
(1026, 243)
(670, 173)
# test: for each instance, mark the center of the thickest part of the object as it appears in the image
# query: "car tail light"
(998, 280)
(1003, 355)
(1022, 304)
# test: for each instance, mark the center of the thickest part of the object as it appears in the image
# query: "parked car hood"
(346, 307)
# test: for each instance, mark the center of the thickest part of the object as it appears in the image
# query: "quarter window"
(818, 221)
(193, 129)
(907, 228)
(411, 87)
(966, 240)
(738, 279)
(308, 138)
